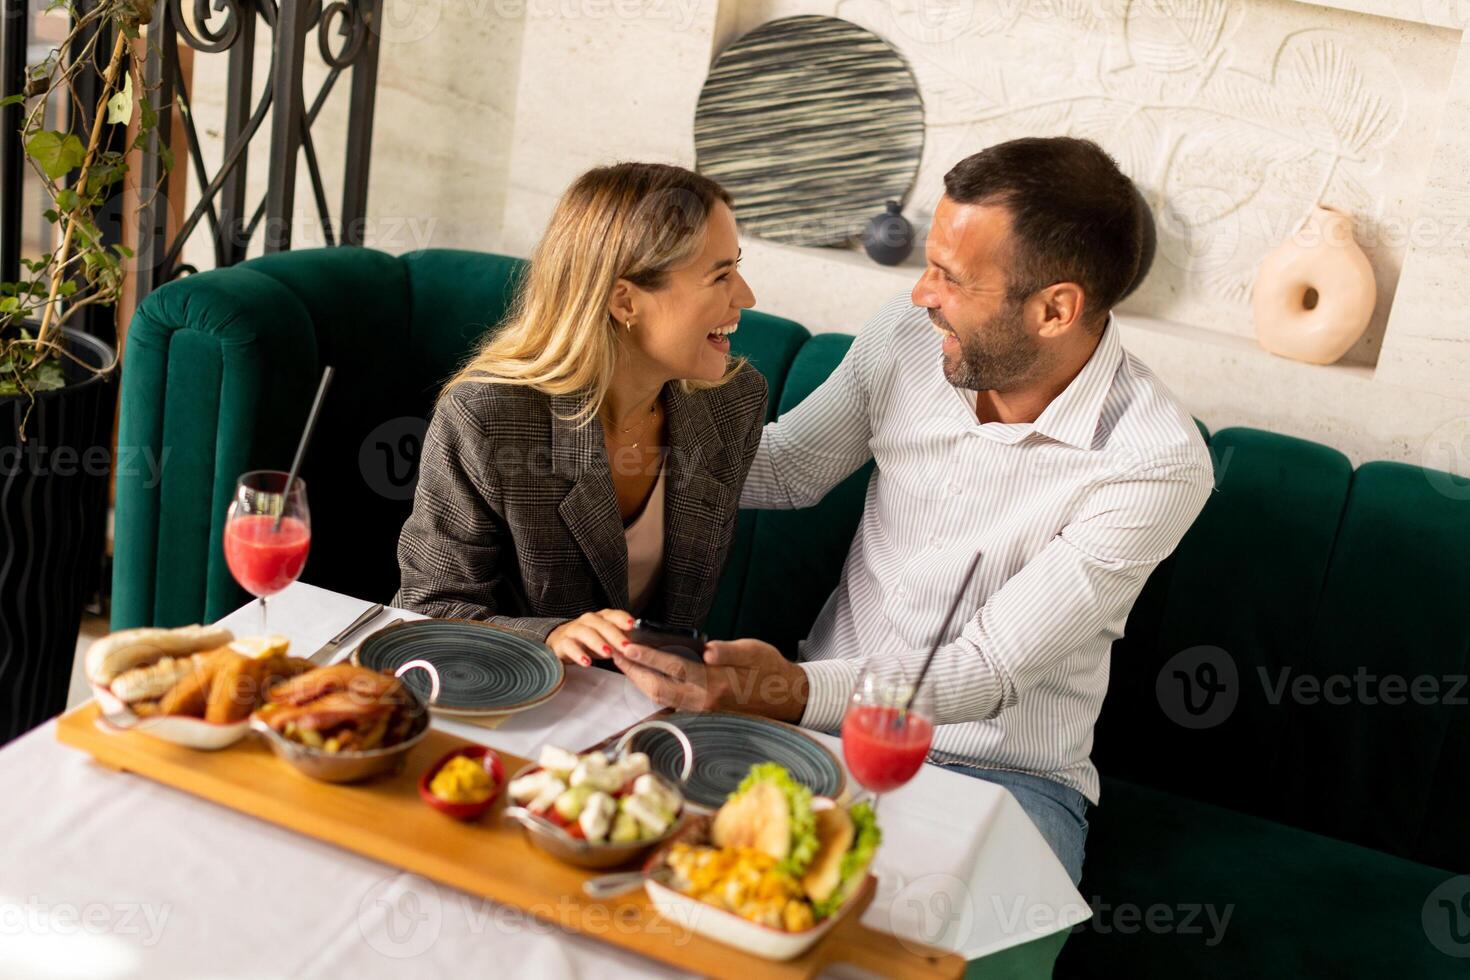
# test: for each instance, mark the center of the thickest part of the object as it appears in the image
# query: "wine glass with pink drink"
(267, 534)
(885, 734)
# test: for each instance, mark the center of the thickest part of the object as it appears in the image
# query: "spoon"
(527, 815)
(623, 882)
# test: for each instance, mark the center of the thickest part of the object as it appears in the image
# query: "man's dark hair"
(1074, 214)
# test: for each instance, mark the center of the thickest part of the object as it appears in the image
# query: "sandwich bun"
(835, 834)
(122, 651)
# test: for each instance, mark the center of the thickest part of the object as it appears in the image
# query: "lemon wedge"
(261, 647)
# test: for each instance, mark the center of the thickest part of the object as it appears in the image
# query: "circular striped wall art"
(812, 124)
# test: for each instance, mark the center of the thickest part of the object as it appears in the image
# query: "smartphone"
(686, 643)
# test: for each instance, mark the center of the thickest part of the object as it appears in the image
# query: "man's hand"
(737, 675)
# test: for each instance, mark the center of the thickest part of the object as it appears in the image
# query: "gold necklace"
(652, 411)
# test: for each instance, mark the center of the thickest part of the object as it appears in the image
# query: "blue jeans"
(1058, 811)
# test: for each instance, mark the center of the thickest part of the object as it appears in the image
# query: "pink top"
(645, 537)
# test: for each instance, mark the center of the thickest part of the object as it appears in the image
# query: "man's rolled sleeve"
(829, 688)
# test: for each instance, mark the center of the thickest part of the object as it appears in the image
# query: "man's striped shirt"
(1070, 514)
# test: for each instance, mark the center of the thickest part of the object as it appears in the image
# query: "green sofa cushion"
(358, 302)
(1382, 762)
(454, 297)
(770, 343)
(797, 555)
(1240, 598)
(1298, 904)
(218, 373)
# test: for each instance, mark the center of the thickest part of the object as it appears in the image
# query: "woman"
(584, 467)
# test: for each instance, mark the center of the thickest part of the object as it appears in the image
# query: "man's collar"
(1073, 415)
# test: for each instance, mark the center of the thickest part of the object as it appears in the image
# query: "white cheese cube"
(595, 772)
(655, 819)
(631, 766)
(557, 759)
(543, 800)
(656, 792)
(597, 816)
(529, 786)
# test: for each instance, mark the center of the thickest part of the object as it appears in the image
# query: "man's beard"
(997, 357)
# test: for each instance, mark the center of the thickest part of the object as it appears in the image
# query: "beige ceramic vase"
(1314, 292)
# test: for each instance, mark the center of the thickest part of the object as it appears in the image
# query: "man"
(1005, 419)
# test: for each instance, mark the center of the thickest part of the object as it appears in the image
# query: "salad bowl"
(548, 836)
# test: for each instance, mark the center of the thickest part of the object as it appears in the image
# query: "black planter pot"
(53, 513)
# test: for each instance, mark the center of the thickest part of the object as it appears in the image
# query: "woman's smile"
(719, 337)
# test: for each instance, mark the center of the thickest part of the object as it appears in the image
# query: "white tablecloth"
(105, 874)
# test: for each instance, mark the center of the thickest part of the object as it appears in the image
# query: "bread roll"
(111, 655)
(153, 680)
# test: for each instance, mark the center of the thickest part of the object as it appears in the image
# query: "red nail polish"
(630, 624)
(626, 642)
(606, 648)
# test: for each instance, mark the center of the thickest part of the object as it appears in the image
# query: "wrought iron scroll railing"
(346, 34)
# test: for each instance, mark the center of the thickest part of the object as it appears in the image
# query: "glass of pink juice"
(883, 742)
(267, 534)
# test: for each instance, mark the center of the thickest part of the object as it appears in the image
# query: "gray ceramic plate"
(727, 745)
(483, 671)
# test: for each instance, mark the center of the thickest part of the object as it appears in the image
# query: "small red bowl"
(465, 811)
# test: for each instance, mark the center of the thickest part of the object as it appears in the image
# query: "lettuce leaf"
(865, 841)
(803, 821)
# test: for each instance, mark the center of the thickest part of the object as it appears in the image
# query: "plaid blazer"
(515, 519)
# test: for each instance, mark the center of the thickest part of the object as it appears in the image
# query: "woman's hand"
(590, 635)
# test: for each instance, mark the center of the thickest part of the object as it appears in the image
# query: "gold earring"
(628, 325)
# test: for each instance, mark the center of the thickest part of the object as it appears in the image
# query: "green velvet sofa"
(1247, 827)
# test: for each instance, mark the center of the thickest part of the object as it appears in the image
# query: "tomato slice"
(575, 830)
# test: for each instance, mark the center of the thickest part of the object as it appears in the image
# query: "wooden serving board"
(385, 820)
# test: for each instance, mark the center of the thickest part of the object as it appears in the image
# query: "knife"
(331, 646)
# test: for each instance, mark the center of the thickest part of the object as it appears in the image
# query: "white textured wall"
(1234, 118)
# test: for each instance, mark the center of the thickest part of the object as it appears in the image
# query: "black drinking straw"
(316, 407)
(939, 637)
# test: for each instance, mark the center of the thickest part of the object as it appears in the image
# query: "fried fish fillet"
(235, 688)
(190, 695)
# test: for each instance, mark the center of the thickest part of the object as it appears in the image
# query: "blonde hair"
(633, 221)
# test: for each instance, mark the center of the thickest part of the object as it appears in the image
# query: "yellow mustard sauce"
(462, 780)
